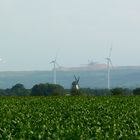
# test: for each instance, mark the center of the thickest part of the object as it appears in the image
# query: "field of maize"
(66, 118)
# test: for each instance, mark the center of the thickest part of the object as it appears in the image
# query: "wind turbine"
(54, 62)
(109, 63)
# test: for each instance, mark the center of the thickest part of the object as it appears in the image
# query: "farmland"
(70, 117)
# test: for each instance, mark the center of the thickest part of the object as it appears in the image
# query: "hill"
(128, 77)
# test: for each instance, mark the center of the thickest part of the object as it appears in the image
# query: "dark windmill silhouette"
(75, 84)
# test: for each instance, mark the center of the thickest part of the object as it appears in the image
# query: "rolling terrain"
(126, 77)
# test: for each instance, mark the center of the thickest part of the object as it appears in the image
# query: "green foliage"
(57, 90)
(117, 91)
(39, 90)
(3, 92)
(17, 86)
(136, 91)
(16, 90)
(47, 90)
(75, 92)
(65, 118)
(19, 90)
(95, 92)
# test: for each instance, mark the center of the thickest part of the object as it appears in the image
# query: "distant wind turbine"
(109, 64)
(54, 62)
(54, 69)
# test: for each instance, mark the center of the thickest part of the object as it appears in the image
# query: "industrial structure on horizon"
(85, 67)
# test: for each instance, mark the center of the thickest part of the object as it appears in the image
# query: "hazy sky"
(33, 31)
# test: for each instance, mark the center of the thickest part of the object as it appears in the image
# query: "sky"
(33, 32)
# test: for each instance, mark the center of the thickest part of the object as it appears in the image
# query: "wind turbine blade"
(110, 61)
(110, 51)
(55, 58)
(57, 64)
(56, 55)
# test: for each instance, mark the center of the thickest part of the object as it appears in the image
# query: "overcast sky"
(32, 32)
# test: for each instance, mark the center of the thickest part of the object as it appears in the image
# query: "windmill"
(75, 84)
(109, 64)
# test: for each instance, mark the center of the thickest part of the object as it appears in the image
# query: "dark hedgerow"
(117, 91)
(136, 91)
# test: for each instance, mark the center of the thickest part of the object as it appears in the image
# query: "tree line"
(47, 89)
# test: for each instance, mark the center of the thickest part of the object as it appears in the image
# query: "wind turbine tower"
(109, 64)
(54, 70)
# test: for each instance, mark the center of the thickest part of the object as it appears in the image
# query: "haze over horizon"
(32, 32)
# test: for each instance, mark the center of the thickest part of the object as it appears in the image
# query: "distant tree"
(136, 91)
(117, 91)
(75, 92)
(55, 90)
(19, 90)
(39, 90)
(102, 92)
(78, 92)
(47, 90)
(3, 92)
(17, 86)
(88, 91)
(128, 92)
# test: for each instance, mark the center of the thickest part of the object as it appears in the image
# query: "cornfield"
(74, 118)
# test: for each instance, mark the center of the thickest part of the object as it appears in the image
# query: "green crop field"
(74, 118)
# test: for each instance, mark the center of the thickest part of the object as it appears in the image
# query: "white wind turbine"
(54, 62)
(109, 64)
